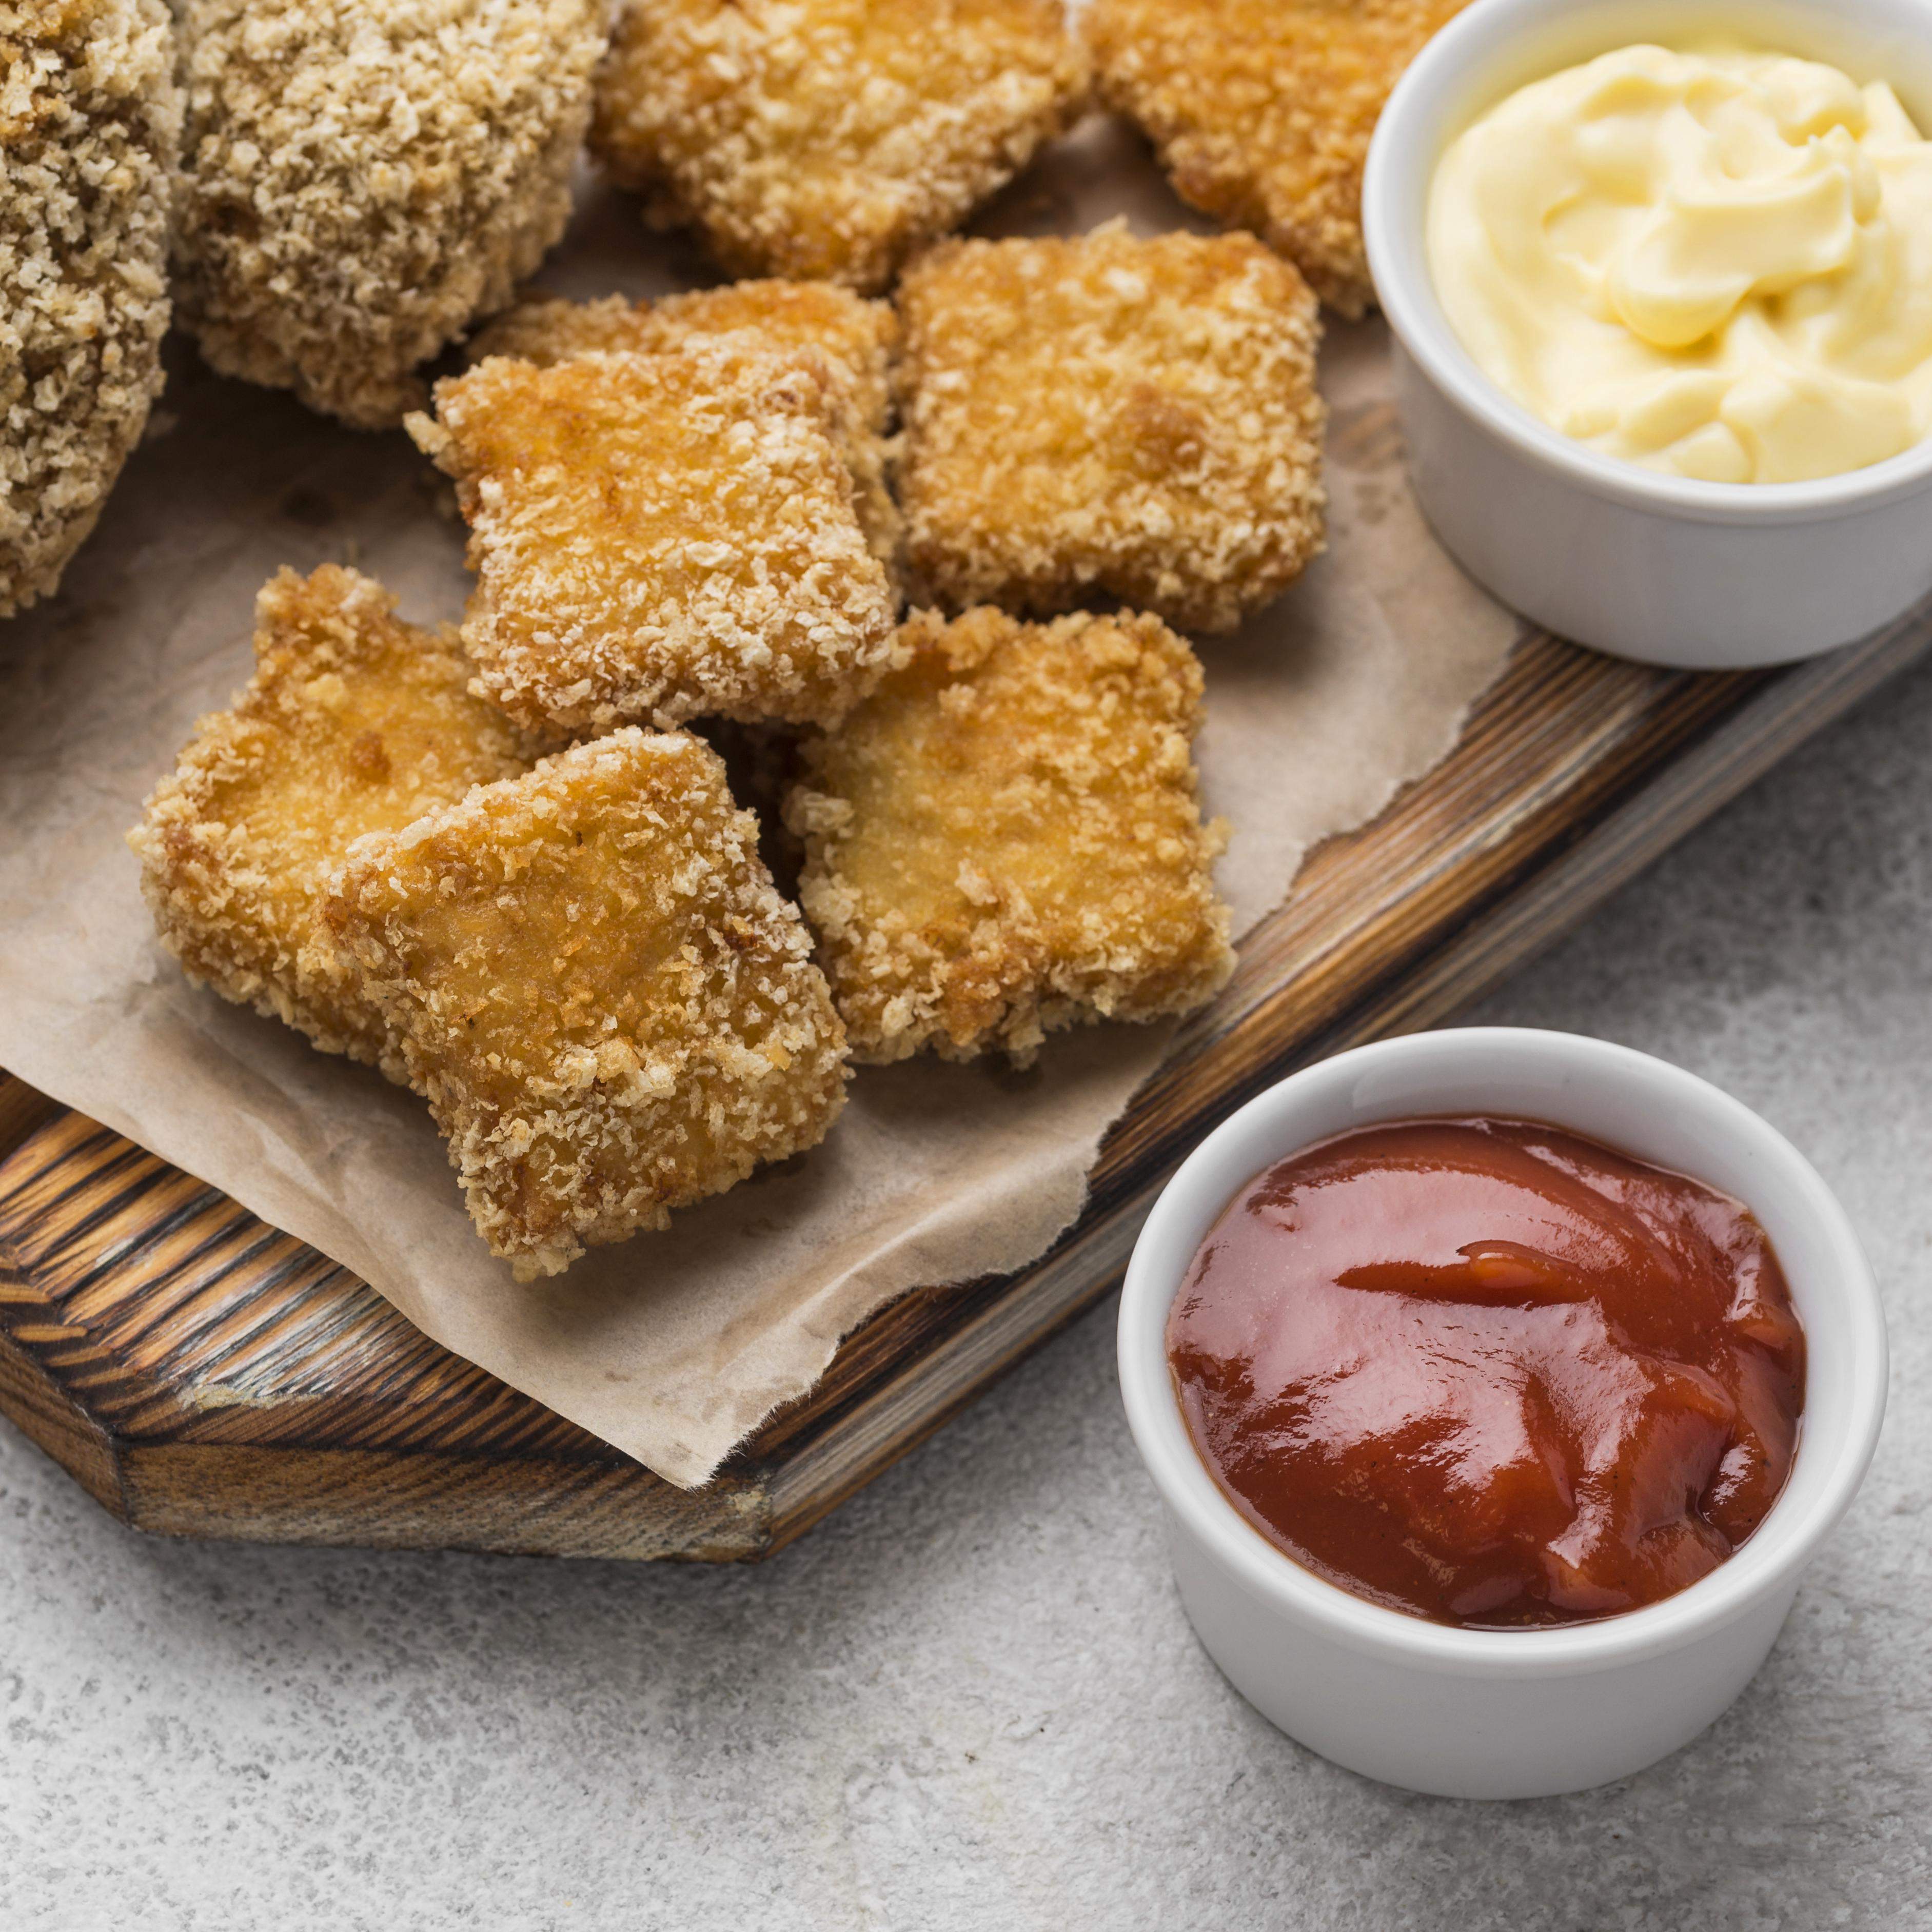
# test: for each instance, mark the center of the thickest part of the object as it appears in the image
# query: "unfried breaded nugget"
(1004, 839)
(354, 722)
(90, 122)
(662, 537)
(1109, 414)
(856, 338)
(830, 138)
(361, 182)
(1262, 111)
(609, 1009)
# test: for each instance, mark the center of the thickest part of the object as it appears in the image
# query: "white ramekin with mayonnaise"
(1660, 277)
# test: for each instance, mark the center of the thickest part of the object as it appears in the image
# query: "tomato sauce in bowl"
(1489, 1373)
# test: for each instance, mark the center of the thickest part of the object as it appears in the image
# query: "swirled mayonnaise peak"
(1714, 262)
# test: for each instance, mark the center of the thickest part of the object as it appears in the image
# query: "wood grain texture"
(201, 1374)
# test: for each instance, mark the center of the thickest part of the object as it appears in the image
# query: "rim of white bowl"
(1401, 164)
(1785, 1541)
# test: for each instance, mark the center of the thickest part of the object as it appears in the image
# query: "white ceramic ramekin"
(1665, 569)
(1506, 1714)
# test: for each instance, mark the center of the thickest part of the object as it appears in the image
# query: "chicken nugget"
(90, 124)
(609, 1009)
(1108, 414)
(361, 182)
(662, 537)
(354, 722)
(827, 139)
(856, 338)
(1262, 111)
(1005, 839)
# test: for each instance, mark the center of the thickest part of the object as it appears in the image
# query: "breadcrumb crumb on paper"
(828, 138)
(361, 182)
(855, 338)
(1111, 415)
(664, 537)
(611, 1011)
(90, 124)
(1262, 111)
(1005, 839)
(353, 722)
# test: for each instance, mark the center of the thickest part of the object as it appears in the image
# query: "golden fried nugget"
(1108, 414)
(1262, 111)
(609, 1009)
(353, 722)
(662, 537)
(856, 338)
(827, 139)
(1004, 839)
(361, 182)
(90, 122)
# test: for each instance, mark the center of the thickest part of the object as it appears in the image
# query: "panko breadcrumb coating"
(1262, 111)
(90, 124)
(662, 537)
(1004, 839)
(1108, 414)
(609, 1009)
(361, 181)
(856, 337)
(354, 722)
(828, 138)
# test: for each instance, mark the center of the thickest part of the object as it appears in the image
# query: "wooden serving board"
(201, 1374)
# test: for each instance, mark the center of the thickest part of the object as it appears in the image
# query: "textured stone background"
(970, 1700)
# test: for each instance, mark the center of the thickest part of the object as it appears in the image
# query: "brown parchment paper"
(674, 1346)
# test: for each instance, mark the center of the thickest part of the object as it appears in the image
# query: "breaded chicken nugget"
(354, 722)
(1109, 414)
(827, 139)
(362, 181)
(856, 338)
(1262, 111)
(662, 537)
(1004, 839)
(90, 122)
(610, 1010)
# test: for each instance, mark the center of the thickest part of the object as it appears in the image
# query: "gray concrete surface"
(970, 1700)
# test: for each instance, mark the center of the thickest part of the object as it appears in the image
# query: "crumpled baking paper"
(673, 1346)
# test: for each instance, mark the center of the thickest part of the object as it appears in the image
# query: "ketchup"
(1488, 1373)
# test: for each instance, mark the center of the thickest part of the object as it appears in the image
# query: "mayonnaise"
(1714, 263)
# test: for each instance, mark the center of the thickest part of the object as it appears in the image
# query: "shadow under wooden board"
(201, 1374)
